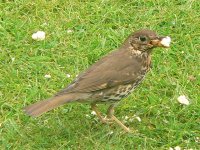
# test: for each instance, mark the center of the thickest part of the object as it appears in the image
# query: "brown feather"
(105, 74)
(41, 107)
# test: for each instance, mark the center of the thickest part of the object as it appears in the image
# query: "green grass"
(98, 28)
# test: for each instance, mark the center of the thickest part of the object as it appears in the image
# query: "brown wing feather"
(105, 73)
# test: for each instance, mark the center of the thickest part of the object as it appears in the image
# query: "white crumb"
(183, 100)
(166, 41)
(68, 75)
(39, 35)
(48, 76)
(69, 31)
(138, 118)
(177, 148)
(126, 118)
(93, 113)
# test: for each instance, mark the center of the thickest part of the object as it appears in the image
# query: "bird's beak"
(161, 42)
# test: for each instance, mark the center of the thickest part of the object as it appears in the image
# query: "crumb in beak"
(166, 41)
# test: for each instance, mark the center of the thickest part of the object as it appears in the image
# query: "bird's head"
(144, 40)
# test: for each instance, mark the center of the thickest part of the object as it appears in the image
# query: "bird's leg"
(110, 114)
(95, 109)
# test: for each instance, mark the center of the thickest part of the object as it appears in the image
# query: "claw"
(107, 120)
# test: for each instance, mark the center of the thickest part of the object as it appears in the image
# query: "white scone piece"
(183, 100)
(166, 41)
(39, 35)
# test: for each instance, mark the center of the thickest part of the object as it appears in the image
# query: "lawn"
(77, 35)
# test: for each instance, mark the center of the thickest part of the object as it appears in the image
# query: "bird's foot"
(107, 120)
(126, 129)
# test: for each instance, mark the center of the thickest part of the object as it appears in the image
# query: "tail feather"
(41, 107)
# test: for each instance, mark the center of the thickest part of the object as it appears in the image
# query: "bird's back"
(119, 68)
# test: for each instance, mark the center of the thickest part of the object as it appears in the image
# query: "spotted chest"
(115, 94)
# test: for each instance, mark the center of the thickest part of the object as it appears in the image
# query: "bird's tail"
(41, 107)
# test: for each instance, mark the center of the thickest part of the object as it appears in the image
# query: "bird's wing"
(114, 69)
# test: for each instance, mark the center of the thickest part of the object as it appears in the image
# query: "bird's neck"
(138, 52)
(143, 57)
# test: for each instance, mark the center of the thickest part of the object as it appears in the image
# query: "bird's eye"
(142, 38)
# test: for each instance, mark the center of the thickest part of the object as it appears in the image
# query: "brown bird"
(110, 79)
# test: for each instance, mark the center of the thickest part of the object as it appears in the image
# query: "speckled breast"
(115, 94)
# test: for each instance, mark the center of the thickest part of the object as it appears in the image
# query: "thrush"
(110, 79)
